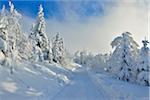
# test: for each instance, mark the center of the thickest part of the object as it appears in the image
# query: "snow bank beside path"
(120, 90)
(32, 81)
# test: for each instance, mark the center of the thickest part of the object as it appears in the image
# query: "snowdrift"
(32, 81)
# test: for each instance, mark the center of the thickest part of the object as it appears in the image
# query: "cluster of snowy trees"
(37, 47)
(127, 62)
(95, 62)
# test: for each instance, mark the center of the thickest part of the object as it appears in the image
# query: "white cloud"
(96, 33)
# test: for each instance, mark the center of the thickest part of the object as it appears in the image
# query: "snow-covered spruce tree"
(15, 35)
(3, 35)
(143, 65)
(58, 49)
(18, 45)
(122, 60)
(39, 38)
(15, 40)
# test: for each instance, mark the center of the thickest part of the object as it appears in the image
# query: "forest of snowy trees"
(127, 62)
(36, 47)
(15, 46)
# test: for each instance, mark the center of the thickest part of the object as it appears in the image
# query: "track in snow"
(82, 88)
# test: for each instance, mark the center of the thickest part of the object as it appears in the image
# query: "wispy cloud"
(95, 32)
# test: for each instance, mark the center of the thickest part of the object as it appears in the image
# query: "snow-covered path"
(82, 88)
(42, 82)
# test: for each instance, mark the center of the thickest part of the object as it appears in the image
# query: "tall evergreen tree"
(58, 49)
(14, 31)
(122, 60)
(143, 65)
(39, 38)
(3, 30)
(3, 35)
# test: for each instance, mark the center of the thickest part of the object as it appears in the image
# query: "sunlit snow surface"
(43, 81)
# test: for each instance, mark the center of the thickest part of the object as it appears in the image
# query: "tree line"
(36, 47)
(126, 62)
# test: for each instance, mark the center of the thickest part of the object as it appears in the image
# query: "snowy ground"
(52, 82)
(82, 87)
(32, 81)
(120, 90)
(87, 86)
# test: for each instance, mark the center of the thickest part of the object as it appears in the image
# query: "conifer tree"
(39, 38)
(121, 62)
(143, 65)
(58, 50)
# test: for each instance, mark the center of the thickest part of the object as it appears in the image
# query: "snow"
(58, 50)
(38, 68)
(32, 81)
(123, 58)
(120, 90)
(82, 87)
(9, 86)
(2, 57)
(143, 65)
(3, 44)
(143, 78)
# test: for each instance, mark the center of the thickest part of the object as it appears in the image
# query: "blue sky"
(87, 24)
(56, 9)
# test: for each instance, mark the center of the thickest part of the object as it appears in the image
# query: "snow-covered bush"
(143, 64)
(122, 60)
